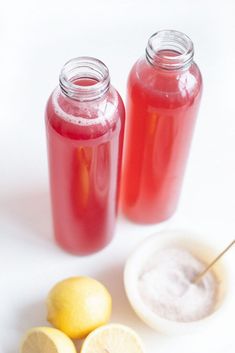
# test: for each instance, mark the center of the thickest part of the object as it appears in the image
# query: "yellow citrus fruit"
(46, 340)
(78, 305)
(112, 338)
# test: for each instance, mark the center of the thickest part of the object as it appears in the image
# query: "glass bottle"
(164, 91)
(85, 126)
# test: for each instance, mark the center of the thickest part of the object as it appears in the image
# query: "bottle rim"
(84, 67)
(162, 44)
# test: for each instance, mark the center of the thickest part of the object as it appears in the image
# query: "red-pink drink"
(85, 125)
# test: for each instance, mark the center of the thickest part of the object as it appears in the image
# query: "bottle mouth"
(169, 49)
(84, 78)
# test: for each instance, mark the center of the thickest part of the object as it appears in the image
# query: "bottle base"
(82, 252)
(148, 220)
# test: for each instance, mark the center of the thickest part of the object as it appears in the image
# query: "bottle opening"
(169, 50)
(84, 79)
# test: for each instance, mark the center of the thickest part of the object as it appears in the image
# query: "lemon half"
(78, 305)
(46, 340)
(112, 338)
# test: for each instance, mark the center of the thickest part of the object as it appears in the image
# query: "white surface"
(36, 39)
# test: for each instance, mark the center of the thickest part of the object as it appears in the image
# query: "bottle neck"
(84, 79)
(169, 50)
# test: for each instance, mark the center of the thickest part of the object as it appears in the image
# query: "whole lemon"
(78, 305)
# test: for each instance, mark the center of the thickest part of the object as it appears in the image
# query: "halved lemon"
(112, 338)
(46, 340)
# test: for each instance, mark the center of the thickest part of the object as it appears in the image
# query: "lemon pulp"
(46, 340)
(112, 338)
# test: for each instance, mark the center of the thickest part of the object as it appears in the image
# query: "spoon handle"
(201, 274)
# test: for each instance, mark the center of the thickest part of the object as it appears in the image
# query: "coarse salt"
(165, 286)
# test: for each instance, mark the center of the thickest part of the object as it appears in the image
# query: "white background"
(36, 39)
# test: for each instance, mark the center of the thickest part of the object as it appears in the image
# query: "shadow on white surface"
(112, 278)
(30, 316)
(29, 211)
(78, 344)
(13, 350)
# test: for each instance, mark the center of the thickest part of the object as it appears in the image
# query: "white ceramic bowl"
(198, 248)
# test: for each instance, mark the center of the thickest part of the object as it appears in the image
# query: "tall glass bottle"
(85, 126)
(164, 91)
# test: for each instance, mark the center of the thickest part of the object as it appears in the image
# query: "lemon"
(46, 340)
(78, 305)
(112, 338)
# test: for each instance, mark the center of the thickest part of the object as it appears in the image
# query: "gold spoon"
(199, 276)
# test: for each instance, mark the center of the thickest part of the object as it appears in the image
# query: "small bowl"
(198, 248)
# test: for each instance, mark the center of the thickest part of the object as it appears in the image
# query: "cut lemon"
(112, 338)
(46, 340)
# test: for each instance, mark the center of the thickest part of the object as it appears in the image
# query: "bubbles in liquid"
(106, 112)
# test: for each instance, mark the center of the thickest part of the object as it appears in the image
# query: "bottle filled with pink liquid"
(164, 91)
(85, 126)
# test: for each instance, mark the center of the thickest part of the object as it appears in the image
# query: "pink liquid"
(161, 111)
(84, 162)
